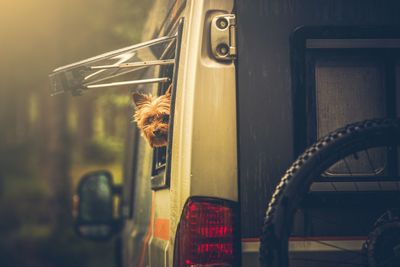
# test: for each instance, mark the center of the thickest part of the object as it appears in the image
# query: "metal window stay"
(122, 67)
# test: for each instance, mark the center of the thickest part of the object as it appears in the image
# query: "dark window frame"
(161, 173)
(303, 62)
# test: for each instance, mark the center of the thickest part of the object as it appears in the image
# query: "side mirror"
(93, 206)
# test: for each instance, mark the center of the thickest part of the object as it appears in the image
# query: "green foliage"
(116, 100)
(38, 36)
(131, 18)
(103, 151)
(46, 34)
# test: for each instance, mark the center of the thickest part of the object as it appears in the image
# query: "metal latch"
(223, 37)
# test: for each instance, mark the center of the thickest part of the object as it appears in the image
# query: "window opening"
(123, 68)
(162, 155)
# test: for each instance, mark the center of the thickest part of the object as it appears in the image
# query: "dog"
(152, 117)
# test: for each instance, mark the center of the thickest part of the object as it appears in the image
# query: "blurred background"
(47, 142)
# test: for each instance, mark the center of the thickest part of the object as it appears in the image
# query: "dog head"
(152, 117)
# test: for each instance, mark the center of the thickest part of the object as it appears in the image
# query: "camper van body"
(293, 71)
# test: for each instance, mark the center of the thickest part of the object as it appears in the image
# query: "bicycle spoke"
(373, 170)
(355, 154)
(348, 167)
(349, 170)
(370, 162)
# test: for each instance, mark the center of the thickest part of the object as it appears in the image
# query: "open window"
(133, 67)
(123, 67)
(161, 167)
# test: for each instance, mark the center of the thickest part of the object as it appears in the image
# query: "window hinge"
(223, 37)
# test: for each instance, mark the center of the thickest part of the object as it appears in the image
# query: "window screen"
(349, 91)
(341, 76)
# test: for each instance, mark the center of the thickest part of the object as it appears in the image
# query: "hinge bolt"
(223, 37)
(223, 49)
(222, 23)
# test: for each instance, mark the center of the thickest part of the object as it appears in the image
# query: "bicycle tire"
(296, 181)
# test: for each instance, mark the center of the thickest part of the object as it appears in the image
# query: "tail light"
(207, 234)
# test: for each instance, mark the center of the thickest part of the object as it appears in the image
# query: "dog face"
(152, 117)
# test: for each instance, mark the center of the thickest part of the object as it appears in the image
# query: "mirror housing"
(94, 206)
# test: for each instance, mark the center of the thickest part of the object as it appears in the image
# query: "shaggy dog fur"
(152, 117)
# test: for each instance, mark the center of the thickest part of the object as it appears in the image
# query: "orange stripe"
(161, 228)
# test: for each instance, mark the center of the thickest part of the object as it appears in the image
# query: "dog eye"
(149, 120)
(165, 118)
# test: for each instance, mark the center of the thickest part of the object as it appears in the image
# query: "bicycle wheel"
(312, 164)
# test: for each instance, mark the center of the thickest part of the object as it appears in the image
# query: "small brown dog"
(152, 117)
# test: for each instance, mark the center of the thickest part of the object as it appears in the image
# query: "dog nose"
(157, 132)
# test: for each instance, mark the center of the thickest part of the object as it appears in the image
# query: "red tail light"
(207, 234)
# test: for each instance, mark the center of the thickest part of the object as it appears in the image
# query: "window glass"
(121, 67)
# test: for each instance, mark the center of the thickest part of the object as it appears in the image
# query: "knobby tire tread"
(273, 252)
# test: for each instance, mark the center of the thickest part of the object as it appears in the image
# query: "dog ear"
(140, 99)
(168, 92)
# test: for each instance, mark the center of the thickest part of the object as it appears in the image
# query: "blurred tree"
(85, 110)
(37, 152)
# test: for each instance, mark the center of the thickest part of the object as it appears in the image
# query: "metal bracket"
(122, 67)
(223, 37)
